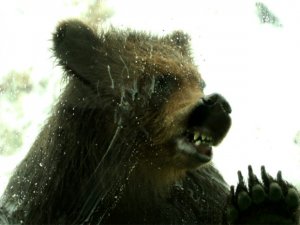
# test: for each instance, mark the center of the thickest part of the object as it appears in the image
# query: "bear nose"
(217, 101)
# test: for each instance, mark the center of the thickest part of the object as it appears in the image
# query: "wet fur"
(106, 154)
(108, 131)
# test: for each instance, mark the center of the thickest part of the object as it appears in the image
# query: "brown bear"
(130, 139)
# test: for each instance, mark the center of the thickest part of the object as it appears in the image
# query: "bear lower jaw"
(194, 151)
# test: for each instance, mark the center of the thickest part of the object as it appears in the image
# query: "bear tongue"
(205, 150)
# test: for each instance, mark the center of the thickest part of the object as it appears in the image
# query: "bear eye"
(164, 84)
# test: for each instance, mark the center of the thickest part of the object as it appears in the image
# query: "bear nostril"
(216, 100)
(210, 100)
(226, 107)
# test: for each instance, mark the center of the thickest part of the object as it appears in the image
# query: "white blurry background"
(255, 65)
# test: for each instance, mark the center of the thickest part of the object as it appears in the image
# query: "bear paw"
(272, 201)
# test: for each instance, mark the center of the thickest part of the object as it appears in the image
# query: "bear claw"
(272, 201)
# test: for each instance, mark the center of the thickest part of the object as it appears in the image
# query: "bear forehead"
(155, 55)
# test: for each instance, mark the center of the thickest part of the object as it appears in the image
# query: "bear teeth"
(196, 135)
(197, 143)
(203, 138)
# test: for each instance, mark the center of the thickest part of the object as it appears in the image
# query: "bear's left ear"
(180, 40)
(77, 48)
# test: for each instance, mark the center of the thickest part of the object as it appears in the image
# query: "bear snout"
(217, 102)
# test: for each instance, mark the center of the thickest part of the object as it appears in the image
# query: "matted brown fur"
(109, 151)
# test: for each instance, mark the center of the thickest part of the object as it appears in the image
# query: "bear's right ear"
(180, 40)
(78, 48)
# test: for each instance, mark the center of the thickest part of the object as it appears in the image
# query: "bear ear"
(77, 47)
(181, 41)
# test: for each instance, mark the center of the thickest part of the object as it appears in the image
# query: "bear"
(130, 141)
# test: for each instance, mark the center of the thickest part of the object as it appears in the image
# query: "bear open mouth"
(196, 143)
(202, 141)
